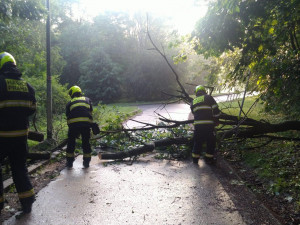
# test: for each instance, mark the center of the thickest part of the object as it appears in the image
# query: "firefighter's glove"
(95, 128)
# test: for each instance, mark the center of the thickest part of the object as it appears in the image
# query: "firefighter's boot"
(69, 163)
(86, 164)
(1, 206)
(210, 159)
(27, 204)
(195, 160)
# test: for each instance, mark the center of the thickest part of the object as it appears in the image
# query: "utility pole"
(49, 86)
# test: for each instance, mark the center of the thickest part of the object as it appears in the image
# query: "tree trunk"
(35, 136)
(39, 155)
(145, 148)
(260, 128)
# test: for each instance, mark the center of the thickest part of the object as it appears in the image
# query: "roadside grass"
(107, 116)
(276, 164)
(113, 115)
(252, 108)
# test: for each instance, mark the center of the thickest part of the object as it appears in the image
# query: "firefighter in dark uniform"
(79, 118)
(17, 103)
(206, 117)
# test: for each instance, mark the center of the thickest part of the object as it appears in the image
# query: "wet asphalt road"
(150, 114)
(148, 192)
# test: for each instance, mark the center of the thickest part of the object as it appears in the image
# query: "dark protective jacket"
(17, 103)
(79, 112)
(205, 110)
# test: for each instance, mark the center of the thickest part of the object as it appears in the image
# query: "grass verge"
(275, 166)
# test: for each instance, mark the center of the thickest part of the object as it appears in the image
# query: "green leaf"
(271, 30)
(274, 22)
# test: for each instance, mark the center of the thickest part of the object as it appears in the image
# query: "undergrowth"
(276, 163)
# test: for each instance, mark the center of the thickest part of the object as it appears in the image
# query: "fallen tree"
(241, 129)
(237, 128)
(149, 147)
(44, 155)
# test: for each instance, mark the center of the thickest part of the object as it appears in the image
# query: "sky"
(183, 13)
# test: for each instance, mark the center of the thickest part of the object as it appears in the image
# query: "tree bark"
(39, 155)
(35, 136)
(145, 148)
(261, 128)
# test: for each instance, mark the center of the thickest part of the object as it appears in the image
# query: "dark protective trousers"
(204, 134)
(73, 133)
(16, 151)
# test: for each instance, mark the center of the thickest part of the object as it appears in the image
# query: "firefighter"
(17, 103)
(79, 118)
(206, 113)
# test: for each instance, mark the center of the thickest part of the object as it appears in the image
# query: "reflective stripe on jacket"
(17, 103)
(14, 133)
(196, 122)
(80, 119)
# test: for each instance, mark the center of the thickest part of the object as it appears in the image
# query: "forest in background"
(110, 55)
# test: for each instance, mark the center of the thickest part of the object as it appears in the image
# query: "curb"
(31, 169)
(229, 169)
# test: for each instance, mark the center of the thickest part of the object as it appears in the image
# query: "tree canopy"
(267, 34)
(27, 10)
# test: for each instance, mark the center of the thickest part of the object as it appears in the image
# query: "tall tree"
(101, 77)
(267, 33)
(22, 30)
(31, 10)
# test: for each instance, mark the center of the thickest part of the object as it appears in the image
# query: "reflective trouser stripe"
(70, 155)
(26, 194)
(2, 199)
(14, 133)
(87, 155)
(79, 119)
(197, 122)
(195, 155)
(209, 155)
